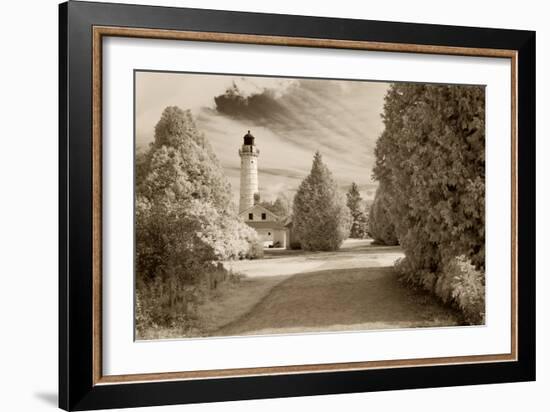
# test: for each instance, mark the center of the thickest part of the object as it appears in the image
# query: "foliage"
(321, 218)
(430, 162)
(359, 220)
(467, 289)
(163, 302)
(459, 283)
(381, 227)
(185, 219)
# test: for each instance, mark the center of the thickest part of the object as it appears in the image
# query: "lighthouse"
(249, 172)
(271, 230)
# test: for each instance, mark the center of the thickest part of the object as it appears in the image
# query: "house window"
(264, 217)
(250, 216)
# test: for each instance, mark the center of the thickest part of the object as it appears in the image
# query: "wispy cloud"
(312, 113)
(291, 119)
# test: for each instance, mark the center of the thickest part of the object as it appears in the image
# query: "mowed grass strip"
(332, 300)
(349, 299)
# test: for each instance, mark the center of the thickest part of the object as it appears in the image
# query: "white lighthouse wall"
(249, 180)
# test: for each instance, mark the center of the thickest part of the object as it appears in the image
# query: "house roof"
(258, 208)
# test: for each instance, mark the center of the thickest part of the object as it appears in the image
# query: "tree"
(381, 227)
(430, 162)
(185, 219)
(281, 206)
(358, 217)
(321, 218)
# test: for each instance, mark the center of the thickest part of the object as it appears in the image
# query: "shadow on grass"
(342, 299)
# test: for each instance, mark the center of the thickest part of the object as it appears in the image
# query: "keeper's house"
(272, 232)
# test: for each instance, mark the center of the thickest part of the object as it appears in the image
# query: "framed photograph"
(256, 206)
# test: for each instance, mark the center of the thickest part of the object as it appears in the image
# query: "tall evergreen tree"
(358, 217)
(430, 162)
(321, 218)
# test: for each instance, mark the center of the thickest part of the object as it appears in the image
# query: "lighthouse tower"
(249, 172)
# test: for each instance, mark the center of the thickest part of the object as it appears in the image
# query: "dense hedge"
(430, 162)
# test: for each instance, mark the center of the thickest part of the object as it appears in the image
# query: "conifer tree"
(358, 217)
(430, 162)
(321, 218)
(381, 226)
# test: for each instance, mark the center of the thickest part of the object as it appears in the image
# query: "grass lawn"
(354, 288)
(231, 300)
(337, 300)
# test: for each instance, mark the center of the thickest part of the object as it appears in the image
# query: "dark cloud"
(315, 114)
(262, 109)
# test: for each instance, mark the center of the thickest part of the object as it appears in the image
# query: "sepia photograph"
(258, 205)
(281, 205)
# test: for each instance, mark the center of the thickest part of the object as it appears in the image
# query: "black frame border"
(76, 388)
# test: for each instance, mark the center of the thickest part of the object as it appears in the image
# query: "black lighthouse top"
(249, 139)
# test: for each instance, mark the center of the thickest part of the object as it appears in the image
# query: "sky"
(290, 119)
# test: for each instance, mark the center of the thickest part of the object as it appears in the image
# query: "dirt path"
(355, 288)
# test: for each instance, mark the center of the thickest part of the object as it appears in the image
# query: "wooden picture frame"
(82, 385)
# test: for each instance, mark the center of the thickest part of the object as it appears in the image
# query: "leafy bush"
(321, 218)
(467, 286)
(458, 284)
